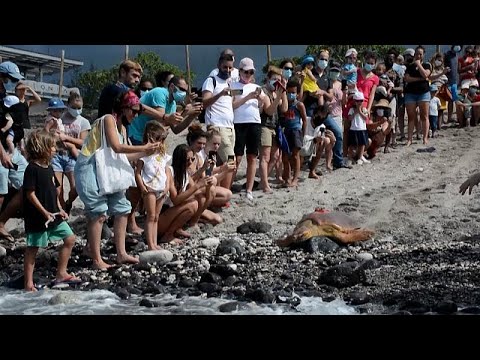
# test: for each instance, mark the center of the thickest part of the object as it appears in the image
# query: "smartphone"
(236, 92)
(258, 90)
(231, 159)
(278, 84)
(212, 155)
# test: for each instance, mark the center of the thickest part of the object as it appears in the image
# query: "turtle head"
(296, 236)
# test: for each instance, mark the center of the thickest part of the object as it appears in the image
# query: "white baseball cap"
(10, 100)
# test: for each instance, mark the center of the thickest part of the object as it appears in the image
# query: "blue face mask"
(224, 75)
(287, 74)
(9, 86)
(457, 48)
(368, 67)
(291, 96)
(322, 64)
(74, 112)
(179, 95)
(334, 75)
(272, 83)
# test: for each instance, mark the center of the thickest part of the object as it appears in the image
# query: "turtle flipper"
(348, 236)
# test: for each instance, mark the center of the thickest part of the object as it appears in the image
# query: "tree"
(337, 52)
(92, 82)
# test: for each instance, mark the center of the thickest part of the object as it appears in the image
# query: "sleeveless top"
(266, 120)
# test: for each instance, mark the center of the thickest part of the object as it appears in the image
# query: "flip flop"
(69, 280)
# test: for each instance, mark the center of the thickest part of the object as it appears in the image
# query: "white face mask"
(438, 62)
(74, 112)
(380, 112)
(142, 92)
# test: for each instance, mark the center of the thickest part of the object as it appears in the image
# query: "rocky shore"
(424, 257)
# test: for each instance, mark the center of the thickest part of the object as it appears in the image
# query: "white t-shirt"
(358, 123)
(72, 127)
(153, 172)
(435, 104)
(234, 75)
(220, 113)
(248, 113)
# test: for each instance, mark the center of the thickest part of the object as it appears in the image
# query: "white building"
(34, 66)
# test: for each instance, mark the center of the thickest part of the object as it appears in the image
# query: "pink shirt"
(336, 104)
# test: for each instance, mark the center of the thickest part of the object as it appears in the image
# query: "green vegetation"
(93, 81)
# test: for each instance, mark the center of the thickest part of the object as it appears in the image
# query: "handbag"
(114, 172)
(444, 93)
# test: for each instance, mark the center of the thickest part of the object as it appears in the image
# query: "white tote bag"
(114, 172)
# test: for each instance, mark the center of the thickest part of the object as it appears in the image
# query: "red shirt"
(462, 62)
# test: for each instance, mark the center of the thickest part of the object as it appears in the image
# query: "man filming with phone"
(217, 101)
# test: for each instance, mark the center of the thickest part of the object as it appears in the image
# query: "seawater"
(103, 302)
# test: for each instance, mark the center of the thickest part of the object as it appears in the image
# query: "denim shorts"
(417, 98)
(63, 163)
(96, 205)
(11, 177)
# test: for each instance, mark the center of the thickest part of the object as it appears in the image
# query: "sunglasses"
(249, 72)
(322, 59)
(288, 68)
(191, 159)
(180, 89)
(145, 89)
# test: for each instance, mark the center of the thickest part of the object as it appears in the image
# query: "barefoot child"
(44, 217)
(152, 179)
(295, 123)
(357, 135)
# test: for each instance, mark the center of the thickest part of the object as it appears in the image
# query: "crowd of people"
(301, 113)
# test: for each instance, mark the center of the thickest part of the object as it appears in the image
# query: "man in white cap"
(9, 76)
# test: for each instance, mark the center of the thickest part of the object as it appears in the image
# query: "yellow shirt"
(93, 142)
(309, 85)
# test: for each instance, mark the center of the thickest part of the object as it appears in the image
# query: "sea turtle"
(335, 225)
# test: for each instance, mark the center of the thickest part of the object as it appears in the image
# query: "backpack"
(201, 116)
